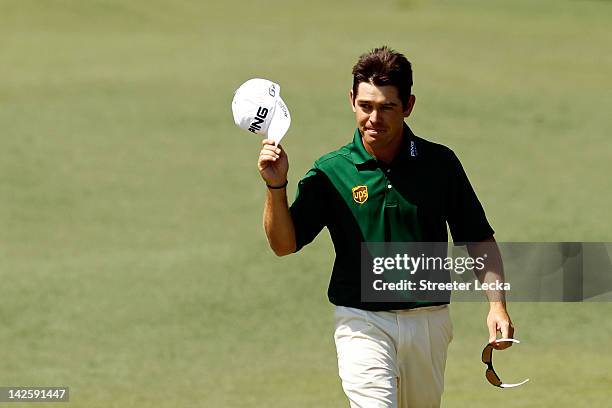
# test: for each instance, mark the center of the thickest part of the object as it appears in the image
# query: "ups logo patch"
(360, 194)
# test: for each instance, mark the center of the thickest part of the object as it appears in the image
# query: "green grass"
(133, 264)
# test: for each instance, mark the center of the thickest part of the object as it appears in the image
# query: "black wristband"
(279, 187)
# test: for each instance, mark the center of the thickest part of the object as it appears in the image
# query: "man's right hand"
(273, 163)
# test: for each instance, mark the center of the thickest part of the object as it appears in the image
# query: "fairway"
(134, 268)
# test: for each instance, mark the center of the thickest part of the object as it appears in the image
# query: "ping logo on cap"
(360, 194)
(259, 119)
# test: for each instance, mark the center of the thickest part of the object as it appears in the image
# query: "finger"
(267, 158)
(268, 142)
(265, 164)
(271, 148)
(492, 332)
(269, 153)
(510, 335)
(504, 327)
(506, 334)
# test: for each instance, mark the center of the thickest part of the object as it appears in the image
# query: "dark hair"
(384, 66)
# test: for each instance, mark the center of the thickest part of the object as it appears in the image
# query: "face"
(379, 114)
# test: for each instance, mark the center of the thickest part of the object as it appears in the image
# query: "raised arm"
(273, 165)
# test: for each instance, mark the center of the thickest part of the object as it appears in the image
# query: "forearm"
(497, 319)
(278, 224)
(493, 270)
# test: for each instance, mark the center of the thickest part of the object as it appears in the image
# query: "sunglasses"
(490, 374)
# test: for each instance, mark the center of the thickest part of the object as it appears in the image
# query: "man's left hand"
(499, 321)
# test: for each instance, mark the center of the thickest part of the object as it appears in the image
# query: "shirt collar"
(408, 151)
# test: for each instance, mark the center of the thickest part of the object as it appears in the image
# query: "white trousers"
(392, 359)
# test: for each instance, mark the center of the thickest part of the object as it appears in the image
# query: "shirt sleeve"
(466, 217)
(308, 210)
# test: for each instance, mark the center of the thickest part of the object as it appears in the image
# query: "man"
(387, 185)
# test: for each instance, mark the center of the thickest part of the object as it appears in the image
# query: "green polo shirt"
(360, 199)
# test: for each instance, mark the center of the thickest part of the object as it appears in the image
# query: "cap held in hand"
(258, 108)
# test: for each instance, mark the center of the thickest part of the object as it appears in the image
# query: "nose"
(374, 116)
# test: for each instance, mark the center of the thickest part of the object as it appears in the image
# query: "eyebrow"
(390, 104)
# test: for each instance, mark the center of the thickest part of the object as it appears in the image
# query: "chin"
(376, 139)
(368, 136)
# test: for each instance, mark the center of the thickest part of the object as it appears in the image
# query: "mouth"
(374, 131)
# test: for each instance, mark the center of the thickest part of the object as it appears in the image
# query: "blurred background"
(134, 268)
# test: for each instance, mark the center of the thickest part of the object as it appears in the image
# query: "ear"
(409, 106)
(352, 100)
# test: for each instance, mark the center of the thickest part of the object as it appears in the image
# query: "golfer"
(386, 185)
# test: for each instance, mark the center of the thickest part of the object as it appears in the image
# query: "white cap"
(258, 107)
